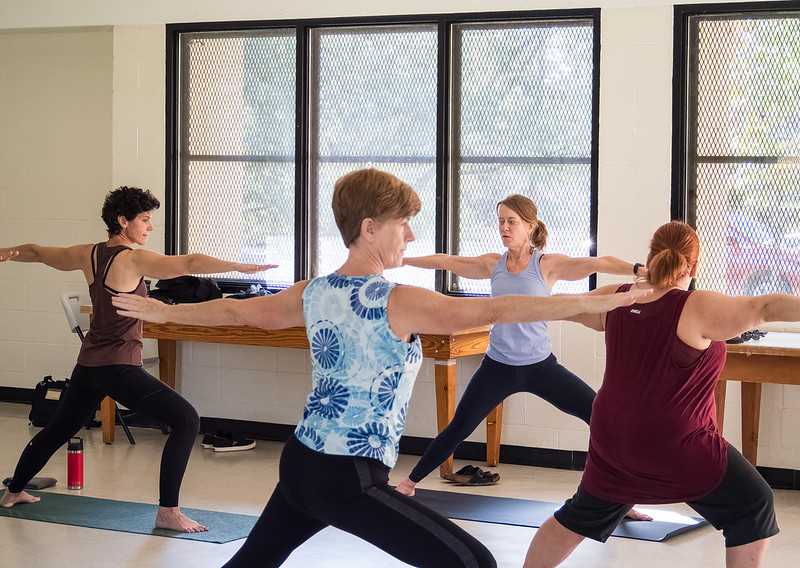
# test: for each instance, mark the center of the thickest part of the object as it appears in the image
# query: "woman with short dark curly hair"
(110, 359)
(127, 202)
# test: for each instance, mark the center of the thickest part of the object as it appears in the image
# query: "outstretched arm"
(154, 265)
(711, 316)
(281, 310)
(477, 267)
(597, 321)
(413, 309)
(557, 267)
(60, 258)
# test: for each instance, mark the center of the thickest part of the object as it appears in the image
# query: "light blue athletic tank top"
(362, 373)
(519, 343)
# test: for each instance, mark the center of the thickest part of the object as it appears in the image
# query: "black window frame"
(444, 185)
(682, 111)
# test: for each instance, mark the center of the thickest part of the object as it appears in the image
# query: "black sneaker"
(233, 444)
(208, 439)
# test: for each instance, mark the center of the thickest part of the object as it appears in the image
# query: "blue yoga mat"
(525, 513)
(126, 516)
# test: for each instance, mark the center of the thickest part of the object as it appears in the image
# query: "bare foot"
(637, 516)
(10, 499)
(172, 518)
(406, 487)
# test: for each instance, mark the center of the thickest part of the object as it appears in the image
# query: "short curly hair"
(128, 202)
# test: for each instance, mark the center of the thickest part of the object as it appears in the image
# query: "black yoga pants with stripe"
(137, 390)
(352, 493)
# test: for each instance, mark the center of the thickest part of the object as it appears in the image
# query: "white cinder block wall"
(82, 111)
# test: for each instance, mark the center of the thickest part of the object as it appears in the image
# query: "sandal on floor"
(475, 476)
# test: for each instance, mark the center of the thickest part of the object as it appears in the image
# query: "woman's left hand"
(7, 254)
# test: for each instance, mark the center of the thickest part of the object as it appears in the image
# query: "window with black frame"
(373, 94)
(236, 148)
(738, 160)
(523, 124)
(466, 109)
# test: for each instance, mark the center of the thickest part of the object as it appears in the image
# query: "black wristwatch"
(636, 268)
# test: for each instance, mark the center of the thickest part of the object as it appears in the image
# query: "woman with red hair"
(653, 430)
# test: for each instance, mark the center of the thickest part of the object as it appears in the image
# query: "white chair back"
(72, 302)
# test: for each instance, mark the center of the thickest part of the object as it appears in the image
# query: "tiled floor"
(241, 482)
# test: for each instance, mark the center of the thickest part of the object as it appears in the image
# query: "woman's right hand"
(607, 302)
(253, 268)
(7, 254)
(133, 306)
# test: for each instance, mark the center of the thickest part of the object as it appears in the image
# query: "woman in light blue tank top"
(519, 357)
(365, 352)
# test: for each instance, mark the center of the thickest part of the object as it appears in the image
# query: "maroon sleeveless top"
(654, 436)
(112, 339)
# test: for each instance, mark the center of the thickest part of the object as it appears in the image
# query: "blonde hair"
(527, 211)
(674, 249)
(371, 194)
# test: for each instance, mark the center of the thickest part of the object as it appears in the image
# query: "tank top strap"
(534, 263)
(107, 267)
(102, 257)
(94, 264)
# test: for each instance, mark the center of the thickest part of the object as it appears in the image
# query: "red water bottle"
(75, 463)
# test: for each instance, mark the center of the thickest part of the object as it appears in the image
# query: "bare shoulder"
(554, 258)
(296, 289)
(705, 300)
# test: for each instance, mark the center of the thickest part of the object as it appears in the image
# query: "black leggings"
(352, 493)
(134, 388)
(491, 384)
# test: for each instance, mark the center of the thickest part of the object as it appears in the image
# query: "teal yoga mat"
(526, 513)
(126, 516)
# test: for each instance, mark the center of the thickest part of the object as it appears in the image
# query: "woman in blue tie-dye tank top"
(362, 330)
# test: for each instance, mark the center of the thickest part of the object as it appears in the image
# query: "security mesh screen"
(743, 193)
(237, 177)
(374, 92)
(523, 125)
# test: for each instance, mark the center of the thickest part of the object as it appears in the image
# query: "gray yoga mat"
(126, 516)
(526, 513)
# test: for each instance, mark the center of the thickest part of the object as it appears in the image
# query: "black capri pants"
(491, 384)
(137, 390)
(352, 494)
(742, 507)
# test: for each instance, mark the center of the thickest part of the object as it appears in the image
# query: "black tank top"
(112, 339)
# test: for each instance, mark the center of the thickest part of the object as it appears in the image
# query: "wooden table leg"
(719, 399)
(108, 419)
(167, 361)
(445, 379)
(751, 414)
(494, 423)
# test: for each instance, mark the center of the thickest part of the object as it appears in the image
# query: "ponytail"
(674, 249)
(537, 238)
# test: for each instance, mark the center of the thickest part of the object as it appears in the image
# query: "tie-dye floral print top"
(362, 374)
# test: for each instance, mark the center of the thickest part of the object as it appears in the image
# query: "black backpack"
(186, 290)
(47, 396)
